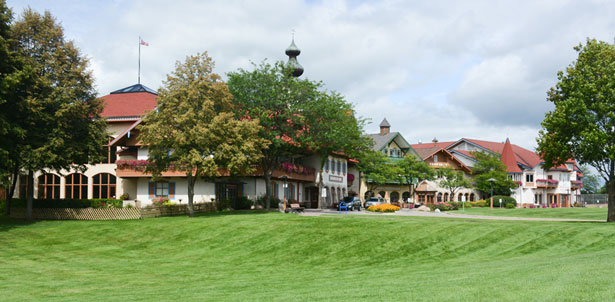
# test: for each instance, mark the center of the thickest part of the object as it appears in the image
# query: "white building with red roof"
(437, 156)
(122, 172)
(558, 186)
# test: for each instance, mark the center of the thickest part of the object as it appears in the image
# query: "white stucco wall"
(203, 191)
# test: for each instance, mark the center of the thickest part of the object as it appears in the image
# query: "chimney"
(384, 127)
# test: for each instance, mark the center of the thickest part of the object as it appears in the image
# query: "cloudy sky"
(443, 69)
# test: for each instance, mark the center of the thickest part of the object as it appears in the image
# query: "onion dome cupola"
(292, 52)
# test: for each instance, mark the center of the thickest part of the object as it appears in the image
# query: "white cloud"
(444, 69)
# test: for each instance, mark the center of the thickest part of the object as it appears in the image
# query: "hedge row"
(65, 203)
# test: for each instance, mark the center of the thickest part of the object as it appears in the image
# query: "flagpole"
(139, 76)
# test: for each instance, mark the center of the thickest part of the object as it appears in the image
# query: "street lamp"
(491, 180)
(284, 178)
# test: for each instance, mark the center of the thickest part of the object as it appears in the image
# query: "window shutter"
(171, 190)
(152, 189)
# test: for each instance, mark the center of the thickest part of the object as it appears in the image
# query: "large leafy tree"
(376, 168)
(452, 180)
(194, 127)
(490, 166)
(413, 170)
(270, 94)
(60, 126)
(332, 128)
(582, 125)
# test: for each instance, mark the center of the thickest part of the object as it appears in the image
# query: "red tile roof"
(509, 159)
(128, 104)
(522, 155)
(430, 145)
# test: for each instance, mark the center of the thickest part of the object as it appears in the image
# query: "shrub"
(242, 203)
(66, 203)
(459, 204)
(384, 208)
(442, 206)
(159, 201)
(478, 204)
(106, 203)
(124, 196)
(505, 201)
(532, 206)
(274, 202)
(223, 205)
(510, 205)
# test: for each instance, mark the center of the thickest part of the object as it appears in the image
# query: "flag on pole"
(144, 43)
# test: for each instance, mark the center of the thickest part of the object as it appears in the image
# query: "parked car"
(353, 203)
(373, 201)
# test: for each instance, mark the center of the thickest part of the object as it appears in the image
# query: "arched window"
(472, 197)
(445, 196)
(405, 196)
(49, 186)
(76, 186)
(439, 197)
(103, 186)
(382, 194)
(460, 197)
(368, 194)
(394, 196)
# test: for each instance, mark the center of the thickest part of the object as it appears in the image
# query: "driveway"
(456, 214)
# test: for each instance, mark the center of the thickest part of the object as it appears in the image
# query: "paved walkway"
(406, 212)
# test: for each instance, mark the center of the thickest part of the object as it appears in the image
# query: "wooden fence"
(111, 213)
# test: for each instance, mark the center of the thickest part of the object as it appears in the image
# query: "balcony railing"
(439, 165)
(576, 184)
(136, 168)
(547, 183)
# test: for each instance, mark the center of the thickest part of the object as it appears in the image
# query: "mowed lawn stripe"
(563, 213)
(272, 256)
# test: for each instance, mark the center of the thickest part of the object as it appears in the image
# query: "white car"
(373, 201)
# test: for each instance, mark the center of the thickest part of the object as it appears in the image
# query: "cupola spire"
(292, 52)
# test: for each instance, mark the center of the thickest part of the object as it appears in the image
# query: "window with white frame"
(529, 177)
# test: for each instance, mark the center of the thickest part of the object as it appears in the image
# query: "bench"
(295, 207)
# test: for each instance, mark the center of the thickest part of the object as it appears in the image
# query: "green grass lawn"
(277, 257)
(571, 213)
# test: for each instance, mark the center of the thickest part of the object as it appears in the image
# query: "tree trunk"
(267, 190)
(10, 192)
(191, 181)
(611, 200)
(30, 195)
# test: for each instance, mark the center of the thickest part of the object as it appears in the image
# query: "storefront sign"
(333, 178)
